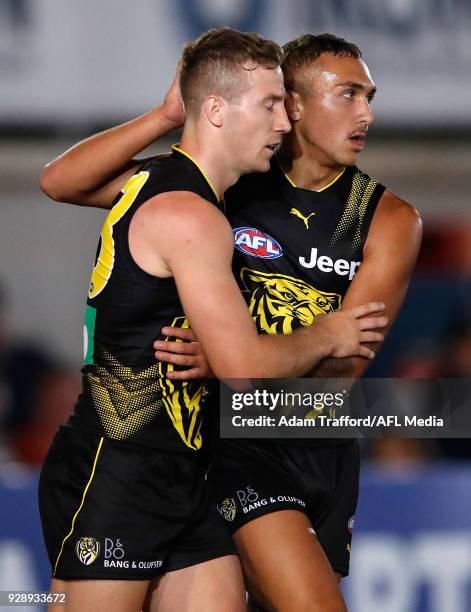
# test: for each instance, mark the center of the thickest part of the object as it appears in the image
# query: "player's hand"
(184, 351)
(173, 105)
(349, 330)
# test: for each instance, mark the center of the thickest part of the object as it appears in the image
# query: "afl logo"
(87, 550)
(252, 241)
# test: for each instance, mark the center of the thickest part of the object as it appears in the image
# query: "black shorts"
(251, 479)
(116, 510)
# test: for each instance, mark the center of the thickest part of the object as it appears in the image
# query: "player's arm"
(390, 253)
(93, 171)
(185, 237)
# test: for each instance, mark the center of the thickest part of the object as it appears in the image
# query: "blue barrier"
(411, 547)
(23, 560)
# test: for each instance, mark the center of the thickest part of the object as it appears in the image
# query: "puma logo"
(296, 213)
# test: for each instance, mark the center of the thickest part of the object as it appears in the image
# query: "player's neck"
(211, 160)
(305, 165)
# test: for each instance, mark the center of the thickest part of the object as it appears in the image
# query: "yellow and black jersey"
(126, 394)
(296, 250)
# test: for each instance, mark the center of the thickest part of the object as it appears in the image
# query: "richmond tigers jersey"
(126, 395)
(296, 250)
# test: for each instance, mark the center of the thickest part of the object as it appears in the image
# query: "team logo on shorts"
(87, 550)
(252, 241)
(351, 523)
(228, 509)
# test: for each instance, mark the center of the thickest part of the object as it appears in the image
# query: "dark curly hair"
(301, 51)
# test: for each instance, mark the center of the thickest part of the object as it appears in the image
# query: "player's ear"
(293, 105)
(213, 110)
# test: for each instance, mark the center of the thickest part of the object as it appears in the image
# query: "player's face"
(335, 110)
(258, 120)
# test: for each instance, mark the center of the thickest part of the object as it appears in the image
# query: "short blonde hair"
(211, 64)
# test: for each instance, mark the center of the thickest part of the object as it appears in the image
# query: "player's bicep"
(373, 283)
(215, 308)
(390, 255)
(211, 298)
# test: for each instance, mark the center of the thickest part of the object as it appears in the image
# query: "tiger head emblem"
(87, 550)
(280, 304)
(228, 509)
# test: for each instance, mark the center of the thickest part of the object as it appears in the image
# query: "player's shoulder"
(397, 210)
(175, 202)
(184, 212)
(395, 222)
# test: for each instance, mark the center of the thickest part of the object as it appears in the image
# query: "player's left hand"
(173, 105)
(185, 351)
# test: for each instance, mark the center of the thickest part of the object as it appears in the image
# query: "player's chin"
(262, 164)
(348, 158)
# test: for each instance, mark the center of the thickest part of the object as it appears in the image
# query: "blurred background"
(68, 69)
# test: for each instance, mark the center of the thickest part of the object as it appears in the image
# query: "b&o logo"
(113, 550)
(247, 496)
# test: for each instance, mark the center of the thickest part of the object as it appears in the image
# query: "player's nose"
(367, 115)
(282, 123)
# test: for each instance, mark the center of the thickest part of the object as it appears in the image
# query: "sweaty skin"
(330, 118)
